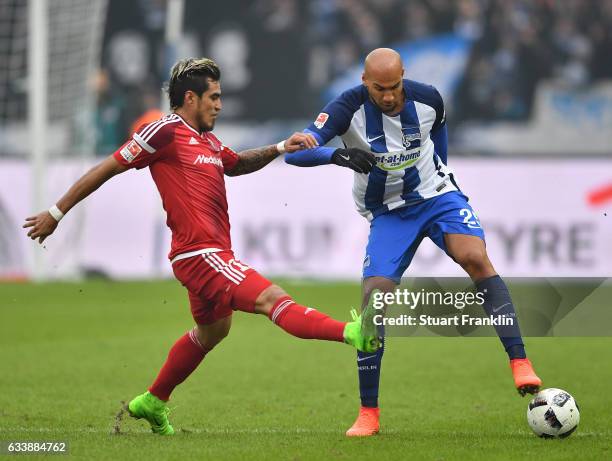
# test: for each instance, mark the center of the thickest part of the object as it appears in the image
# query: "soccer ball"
(553, 413)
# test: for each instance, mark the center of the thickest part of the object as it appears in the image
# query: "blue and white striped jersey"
(409, 169)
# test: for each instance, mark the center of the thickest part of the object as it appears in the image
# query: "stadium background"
(527, 90)
(528, 93)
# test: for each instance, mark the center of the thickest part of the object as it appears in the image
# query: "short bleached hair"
(191, 74)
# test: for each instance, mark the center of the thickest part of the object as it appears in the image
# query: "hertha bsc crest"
(409, 138)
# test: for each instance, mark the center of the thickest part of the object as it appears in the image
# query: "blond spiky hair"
(191, 74)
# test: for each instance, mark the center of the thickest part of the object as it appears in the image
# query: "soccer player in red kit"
(188, 163)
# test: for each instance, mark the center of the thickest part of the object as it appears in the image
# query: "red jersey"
(188, 169)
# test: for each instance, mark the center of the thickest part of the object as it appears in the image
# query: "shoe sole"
(142, 417)
(133, 415)
(528, 389)
(363, 435)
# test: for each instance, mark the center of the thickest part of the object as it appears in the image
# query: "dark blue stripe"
(411, 181)
(426, 94)
(452, 178)
(411, 128)
(375, 190)
(439, 137)
(436, 163)
(380, 210)
(374, 127)
(435, 160)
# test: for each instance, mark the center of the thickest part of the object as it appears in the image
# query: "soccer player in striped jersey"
(188, 163)
(394, 133)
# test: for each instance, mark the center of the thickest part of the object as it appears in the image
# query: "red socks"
(183, 359)
(305, 322)
(187, 353)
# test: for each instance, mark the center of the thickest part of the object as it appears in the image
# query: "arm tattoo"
(253, 159)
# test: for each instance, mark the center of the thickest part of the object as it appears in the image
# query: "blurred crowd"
(271, 48)
(523, 42)
(516, 43)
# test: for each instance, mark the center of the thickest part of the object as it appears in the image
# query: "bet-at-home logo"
(397, 160)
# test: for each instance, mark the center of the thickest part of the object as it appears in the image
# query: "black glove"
(355, 159)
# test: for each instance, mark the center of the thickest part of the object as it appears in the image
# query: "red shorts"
(218, 284)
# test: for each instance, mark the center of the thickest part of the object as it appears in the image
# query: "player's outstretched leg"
(308, 323)
(184, 357)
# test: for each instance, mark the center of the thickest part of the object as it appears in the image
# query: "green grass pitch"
(70, 352)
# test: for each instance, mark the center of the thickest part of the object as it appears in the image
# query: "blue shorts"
(396, 235)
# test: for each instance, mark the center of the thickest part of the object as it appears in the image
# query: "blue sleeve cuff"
(311, 157)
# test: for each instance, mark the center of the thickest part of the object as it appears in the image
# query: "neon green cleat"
(152, 409)
(361, 332)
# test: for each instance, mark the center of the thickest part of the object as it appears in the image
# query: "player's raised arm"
(251, 160)
(44, 223)
(334, 121)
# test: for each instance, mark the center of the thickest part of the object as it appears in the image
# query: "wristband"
(280, 147)
(56, 213)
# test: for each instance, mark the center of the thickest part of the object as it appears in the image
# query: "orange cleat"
(367, 423)
(525, 379)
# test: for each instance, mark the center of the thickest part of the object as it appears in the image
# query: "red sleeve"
(228, 156)
(147, 143)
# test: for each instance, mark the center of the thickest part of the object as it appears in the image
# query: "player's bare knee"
(475, 262)
(209, 341)
(210, 335)
(222, 332)
(268, 298)
(469, 259)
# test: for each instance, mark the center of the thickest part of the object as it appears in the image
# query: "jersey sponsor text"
(206, 159)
